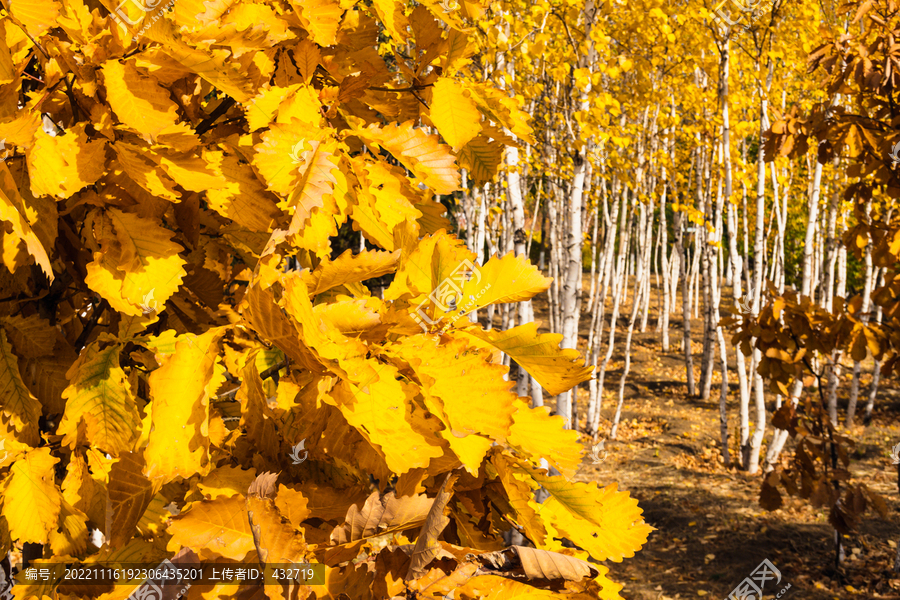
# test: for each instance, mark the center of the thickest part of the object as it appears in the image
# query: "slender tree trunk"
(552, 296)
(876, 373)
(596, 384)
(864, 319)
(643, 254)
(664, 250)
(780, 436)
(619, 283)
(751, 454)
(681, 250)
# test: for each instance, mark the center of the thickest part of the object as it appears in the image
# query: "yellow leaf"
(419, 152)
(390, 13)
(349, 268)
(37, 15)
(137, 100)
(383, 201)
(21, 130)
(605, 522)
(137, 263)
(379, 393)
(212, 65)
(494, 587)
(244, 199)
(437, 260)
(32, 336)
(19, 409)
(507, 279)
(194, 173)
(69, 537)
(129, 495)
(294, 505)
(213, 528)
(556, 369)
(137, 165)
(82, 491)
(278, 155)
(519, 489)
(180, 390)
(276, 540)
(534, 432)
(31, 500)
(226, 481)
(12, 208)
(62, 165)
(321, 19)
(482, 157)
(318, 178)
(459, 376)
(454, 113)
(99, 398)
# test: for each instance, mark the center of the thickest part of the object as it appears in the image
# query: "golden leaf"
(454, 113)
(62, 165)
(618, 529)
(99, 398)
(31, 336)
(31, 500)
(37, 15)
(137, 100)
(535, 433)
(226, 481)
(137, 261)
(244, 199)
(129, 494)
(213, 527)
(276, 539)
(482, 157)
(321, 19)
(419, 152)
(181, 389)
(18, 407)
(12, 211)
(349, 268)
(556, 369)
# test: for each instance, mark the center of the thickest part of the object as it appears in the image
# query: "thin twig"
(91, 324)
(220, 110)
(230, 394)
(411, 88)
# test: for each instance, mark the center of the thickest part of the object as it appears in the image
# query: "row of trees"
(652, 164)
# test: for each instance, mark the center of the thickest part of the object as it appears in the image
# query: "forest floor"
(710, 530)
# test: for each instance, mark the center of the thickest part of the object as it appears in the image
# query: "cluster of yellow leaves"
(178, 314)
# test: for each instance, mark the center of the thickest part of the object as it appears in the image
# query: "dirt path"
(711, 532)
